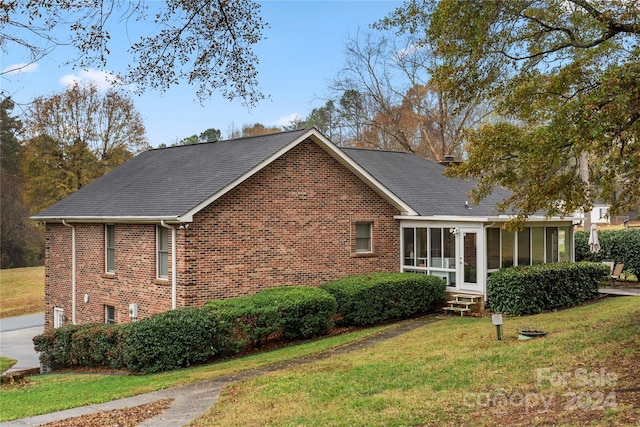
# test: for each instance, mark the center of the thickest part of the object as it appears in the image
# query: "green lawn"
(6, 363)
(21, 291)
(54, 392)
(456, 372)
(446, 373)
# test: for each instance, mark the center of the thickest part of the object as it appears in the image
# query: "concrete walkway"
(620, 291)
(16, 340)
(193, 400)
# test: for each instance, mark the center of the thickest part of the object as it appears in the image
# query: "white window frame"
(109, 249)
(58, 317)
(162, 252)
(359, 238)
(107, 319)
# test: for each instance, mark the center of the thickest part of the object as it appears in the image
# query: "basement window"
(109, 314)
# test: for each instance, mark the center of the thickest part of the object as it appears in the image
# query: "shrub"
(372, 298)
(291, 311)
(99, 345)
(55, 346)
(176, 338)
(537, 288)
(621, 246)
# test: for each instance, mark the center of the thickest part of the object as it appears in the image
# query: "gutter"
(73, 270)
(173, 263)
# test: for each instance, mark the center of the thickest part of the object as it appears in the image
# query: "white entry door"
(468, 270)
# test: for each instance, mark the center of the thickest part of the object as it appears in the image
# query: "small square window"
(363, 237)
(109, 314)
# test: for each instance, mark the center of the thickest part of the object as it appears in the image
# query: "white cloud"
(20, 68)
(286, 120)
(102, 79)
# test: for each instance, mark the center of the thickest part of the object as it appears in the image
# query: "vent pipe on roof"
(449, 160)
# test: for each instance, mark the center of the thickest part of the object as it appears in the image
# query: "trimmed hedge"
(372, 298)
(617, 245)
(166, 341)
(99, 345)
(538, 288)
(55, 346)
(174, 339)
(290, 311)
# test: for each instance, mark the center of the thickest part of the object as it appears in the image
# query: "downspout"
(73, 270)
(173, 263)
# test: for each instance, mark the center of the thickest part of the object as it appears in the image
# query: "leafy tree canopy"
(562, 76)
(21, 241)
(74, 137)
(207, 43)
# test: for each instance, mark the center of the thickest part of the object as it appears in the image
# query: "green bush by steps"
(373, 298)
(537, 288)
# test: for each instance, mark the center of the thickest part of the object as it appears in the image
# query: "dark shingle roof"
(169, 182)
(420, 183)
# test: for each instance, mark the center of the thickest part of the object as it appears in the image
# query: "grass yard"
(455, 372)
(21, 291)
(452, 372)
(42, 394)
(6, 363)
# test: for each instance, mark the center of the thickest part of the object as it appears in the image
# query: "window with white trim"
(110, 248)
(162, 253)
(363, 237)
(109, 314)
(58, 317)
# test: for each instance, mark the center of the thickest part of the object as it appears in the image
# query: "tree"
(21, 243)
(74, 137)
(258, 129)
(207, 43)
(210, 135)
(562, 76)
(324, 119)
(388, 101)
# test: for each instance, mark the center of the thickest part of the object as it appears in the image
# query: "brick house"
(176, 227)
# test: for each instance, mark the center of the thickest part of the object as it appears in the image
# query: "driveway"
(16, 334)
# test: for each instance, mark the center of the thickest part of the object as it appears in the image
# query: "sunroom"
(466, 253)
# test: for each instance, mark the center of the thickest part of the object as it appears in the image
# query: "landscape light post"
(496, 319)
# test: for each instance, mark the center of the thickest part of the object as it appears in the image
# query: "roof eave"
(484, 218)
(109, 219)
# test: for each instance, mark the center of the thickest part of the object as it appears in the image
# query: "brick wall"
(293, 223)
(133, 282)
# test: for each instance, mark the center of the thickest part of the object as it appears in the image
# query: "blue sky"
(302, 52)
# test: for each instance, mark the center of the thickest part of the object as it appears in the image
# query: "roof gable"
(175, 183)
